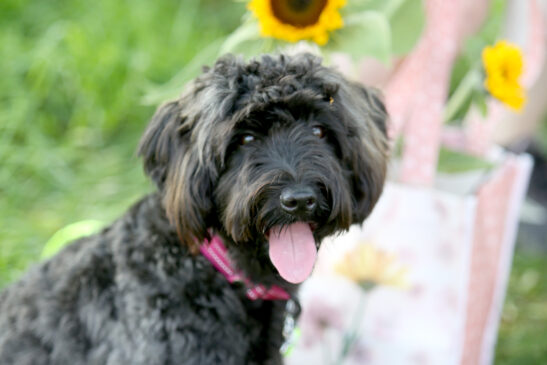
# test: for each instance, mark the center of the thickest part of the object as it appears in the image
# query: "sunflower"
(368, 267)
(503, 64)
(294, 20)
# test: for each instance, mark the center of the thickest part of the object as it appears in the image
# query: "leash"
(215, 251)
(217, 254)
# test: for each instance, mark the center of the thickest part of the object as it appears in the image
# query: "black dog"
(271, 156)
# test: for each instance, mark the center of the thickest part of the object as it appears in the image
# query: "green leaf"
(364, 34)
(541, 136)
(479, 100)
(488, 33)
(406, 19)
(462, 98)
(451, 161)
(460, 69)
(69, 233)
(407, 23)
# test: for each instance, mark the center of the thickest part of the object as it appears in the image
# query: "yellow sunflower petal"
(294, 21)
(503, 64)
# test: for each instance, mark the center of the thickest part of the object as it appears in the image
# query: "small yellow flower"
(368, 267)
(503, 64)
(294, 20)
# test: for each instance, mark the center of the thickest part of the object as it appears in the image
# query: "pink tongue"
(292, 251)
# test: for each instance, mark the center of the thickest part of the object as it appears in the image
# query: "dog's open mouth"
(293, 251)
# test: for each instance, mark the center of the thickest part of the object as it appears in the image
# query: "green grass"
(523, 331)
(73, 75)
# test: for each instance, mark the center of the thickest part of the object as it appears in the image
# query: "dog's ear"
(188, 196)
(177, 163)
(366, 153)
(159, 141)
(375, 105)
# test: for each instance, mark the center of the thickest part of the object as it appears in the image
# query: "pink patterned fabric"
(420, 90)
(400, 92)
(217, 254)
(490, 229)
(406, 82)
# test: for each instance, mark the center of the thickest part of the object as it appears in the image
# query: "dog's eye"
(247, 138)
(318, 131)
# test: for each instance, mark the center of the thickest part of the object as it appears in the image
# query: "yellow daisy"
(294, 20)
(503, 64)
(368, 267)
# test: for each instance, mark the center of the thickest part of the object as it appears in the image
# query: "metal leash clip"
(292, 311)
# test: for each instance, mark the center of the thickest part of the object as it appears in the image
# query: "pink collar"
(217, 254)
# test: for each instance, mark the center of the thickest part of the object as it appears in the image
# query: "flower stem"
(459, 97)
(351, 337)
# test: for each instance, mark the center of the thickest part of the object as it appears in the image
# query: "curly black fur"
(137, 292)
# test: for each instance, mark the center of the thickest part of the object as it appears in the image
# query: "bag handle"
(416, 95)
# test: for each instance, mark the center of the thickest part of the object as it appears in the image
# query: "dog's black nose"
(298, 200)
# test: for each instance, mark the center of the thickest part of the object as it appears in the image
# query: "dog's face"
(275, 155)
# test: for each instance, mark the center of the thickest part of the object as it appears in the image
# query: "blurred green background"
(73, 77)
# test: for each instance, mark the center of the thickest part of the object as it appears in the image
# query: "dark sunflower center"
(300, 13)
(505, 71)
